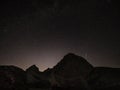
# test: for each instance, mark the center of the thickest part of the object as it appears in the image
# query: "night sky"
(41, 32)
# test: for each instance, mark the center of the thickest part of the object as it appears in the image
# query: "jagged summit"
(33, 68)
(72, 66)
(70, 55)
(73, 57)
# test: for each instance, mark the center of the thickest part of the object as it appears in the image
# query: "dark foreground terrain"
(71, 73)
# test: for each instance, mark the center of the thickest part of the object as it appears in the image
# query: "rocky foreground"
(71, 73)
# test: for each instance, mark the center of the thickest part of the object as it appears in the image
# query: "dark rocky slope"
(12, 78)
(72, 71)
(36, 79)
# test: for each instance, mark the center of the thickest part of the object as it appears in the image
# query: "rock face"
(32, 72)
(102, 78)
(73, 66)
(12, 78)
(72, 71)
(36, 79)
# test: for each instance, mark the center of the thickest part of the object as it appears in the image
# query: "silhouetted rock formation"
(12, 78)
(32, 73)
(36, 79)
(71, 73)
(73, 66)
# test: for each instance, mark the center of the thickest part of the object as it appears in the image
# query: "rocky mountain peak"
(33, 68)
(72, 66)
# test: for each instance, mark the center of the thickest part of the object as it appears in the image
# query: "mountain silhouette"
(73, 72)
(72, 66)
(36, 79)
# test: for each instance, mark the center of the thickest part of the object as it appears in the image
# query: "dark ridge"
(71, 73)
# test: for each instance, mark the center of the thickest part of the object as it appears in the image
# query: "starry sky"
(41, 32)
